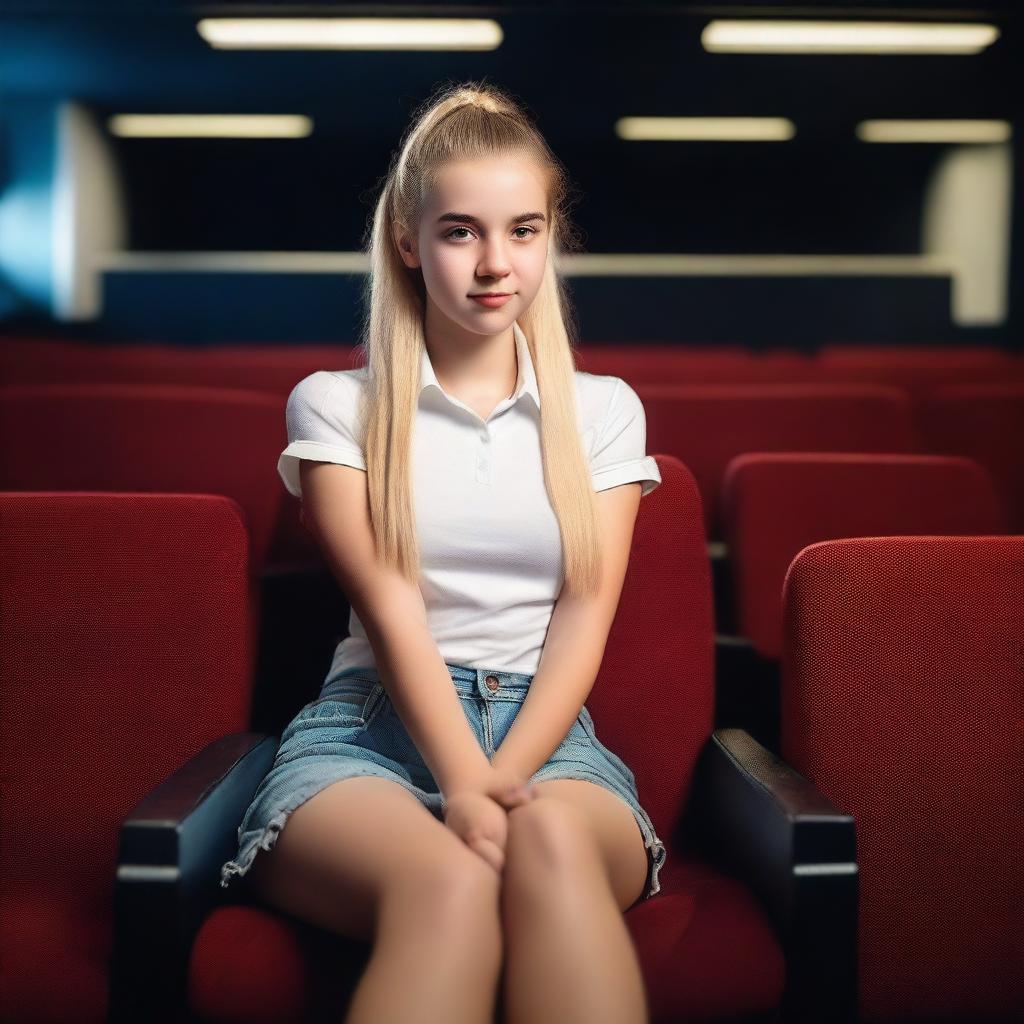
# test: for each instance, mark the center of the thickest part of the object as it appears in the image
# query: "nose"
(494, 263)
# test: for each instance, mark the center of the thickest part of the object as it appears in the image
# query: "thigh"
(338, 853)
(614, 829)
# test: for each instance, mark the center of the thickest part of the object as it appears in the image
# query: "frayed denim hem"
(656, 851)
(265, 838)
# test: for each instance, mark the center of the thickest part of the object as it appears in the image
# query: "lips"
(491, 299)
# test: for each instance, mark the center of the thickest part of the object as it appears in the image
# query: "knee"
(456, 890)
(551, 834)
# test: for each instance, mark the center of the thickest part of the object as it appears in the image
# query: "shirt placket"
(484, 456)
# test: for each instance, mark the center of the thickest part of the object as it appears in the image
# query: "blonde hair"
(465, 122)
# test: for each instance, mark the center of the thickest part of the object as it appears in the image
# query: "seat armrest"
(755, 815)
(168, 870)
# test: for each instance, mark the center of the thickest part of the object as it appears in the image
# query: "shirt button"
(492, 683)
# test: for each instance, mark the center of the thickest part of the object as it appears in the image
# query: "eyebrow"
(473, 220)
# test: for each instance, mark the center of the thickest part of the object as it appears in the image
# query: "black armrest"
(168, 870)
(775, 830)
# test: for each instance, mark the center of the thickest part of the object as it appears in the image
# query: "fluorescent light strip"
(253, 126)
(728, 36)
(351, 33)
(934, 131)
(730, 129)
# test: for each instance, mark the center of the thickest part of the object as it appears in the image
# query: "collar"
(526, 381)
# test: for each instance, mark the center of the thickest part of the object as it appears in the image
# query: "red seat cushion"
(706, 947)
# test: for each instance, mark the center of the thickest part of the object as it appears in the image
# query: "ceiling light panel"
(351, 33)
(780, 36)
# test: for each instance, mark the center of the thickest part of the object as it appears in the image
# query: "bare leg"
(367, 860)
(569, 956)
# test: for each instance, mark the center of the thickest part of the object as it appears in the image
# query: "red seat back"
(706, 426)
(653, 701)
(274, 368)
(148, 437)
(986, 423)
(917, 369)
(774, 505)
(902, 699)
(126, 648)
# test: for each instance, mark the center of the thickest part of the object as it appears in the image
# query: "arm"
(391, 609)
(574, 645)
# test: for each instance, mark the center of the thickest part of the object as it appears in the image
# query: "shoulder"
(333, 395)
(601, 397)
(327, 407)
(323, 385)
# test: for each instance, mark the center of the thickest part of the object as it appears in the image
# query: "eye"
(522, 227)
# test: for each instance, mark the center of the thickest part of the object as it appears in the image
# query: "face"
(477, 235)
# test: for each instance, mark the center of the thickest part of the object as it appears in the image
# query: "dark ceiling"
(577, 67)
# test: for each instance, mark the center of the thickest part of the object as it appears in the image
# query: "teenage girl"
(446, 796)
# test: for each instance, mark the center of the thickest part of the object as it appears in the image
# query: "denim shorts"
(353, 728)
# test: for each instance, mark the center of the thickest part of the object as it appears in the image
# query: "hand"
(477, 812)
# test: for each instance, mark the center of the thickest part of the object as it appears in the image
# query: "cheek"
(447, 265)
(531, 265)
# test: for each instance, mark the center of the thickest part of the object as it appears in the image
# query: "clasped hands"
(477, 811)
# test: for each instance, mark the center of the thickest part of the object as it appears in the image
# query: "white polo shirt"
(490, 548)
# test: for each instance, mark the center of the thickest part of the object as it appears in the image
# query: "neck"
(465, 362)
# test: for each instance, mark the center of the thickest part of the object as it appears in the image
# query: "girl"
(479, 619)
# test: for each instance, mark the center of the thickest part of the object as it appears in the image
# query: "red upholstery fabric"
(274, 368)
(775, 504)
(685, 364)
(916, 368)
(707, 425)
(125, 649)
(148, 437)
(706, 947)
(903, 700)
(986, 423)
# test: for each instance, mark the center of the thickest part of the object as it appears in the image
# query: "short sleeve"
(322, 416)
(619, 455)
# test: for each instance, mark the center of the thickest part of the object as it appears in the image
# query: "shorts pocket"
(346, 706)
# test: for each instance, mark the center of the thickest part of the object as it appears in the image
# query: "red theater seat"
(776, 504)
(986, 423)
(706, 426)
(275, 369)
(915, 368)
(125, 651)
(902, 700)
(148, 437)
(685, 364)
(740, 926)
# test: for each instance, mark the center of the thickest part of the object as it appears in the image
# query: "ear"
(407, 246)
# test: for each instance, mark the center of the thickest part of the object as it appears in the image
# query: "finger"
(490, 851)
(518, 797)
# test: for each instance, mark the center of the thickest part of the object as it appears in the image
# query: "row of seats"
(774, 505)
(277, 368)
(869, 872)
(703, 425)
(779, 466)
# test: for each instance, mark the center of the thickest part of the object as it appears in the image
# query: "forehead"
(490, 185)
